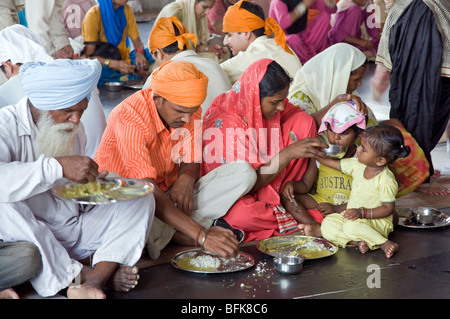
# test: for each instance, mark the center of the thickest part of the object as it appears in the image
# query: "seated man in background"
(246, 34)
(107, 29)
(41, 142)
(170, 40)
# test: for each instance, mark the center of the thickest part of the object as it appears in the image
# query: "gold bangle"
(107, 62)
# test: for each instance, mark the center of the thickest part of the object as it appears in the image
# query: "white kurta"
(61, 231)
(262, 48)
(44, 19)
(218, 81)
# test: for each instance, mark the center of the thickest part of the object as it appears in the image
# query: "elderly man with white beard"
(19, 45)
(42, 141)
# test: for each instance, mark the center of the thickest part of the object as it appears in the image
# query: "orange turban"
(241, 20)
(163, 34)
(180, 82)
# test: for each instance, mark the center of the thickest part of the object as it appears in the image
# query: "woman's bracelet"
(204, 238)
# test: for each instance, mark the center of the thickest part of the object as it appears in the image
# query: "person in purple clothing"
(348, 23)
(306, 38)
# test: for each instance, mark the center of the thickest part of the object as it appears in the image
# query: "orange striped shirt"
(136, 144)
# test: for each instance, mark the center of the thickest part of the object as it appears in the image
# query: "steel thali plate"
(406, 220)
(134, 84)
(199, 261)
(307, 247)
(106, 191)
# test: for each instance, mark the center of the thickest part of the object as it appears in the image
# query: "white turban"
(20, 45)
(61, 83)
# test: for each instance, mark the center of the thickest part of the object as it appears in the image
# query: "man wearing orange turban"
(170, 40)
(247, 36)
(155, 135)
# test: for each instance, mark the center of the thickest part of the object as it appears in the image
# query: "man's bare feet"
(310, 230)
(85, 291)
(125, 278)
(8, 294)
(121, 278)
(433, 188)
(389, 248)
(362, 246)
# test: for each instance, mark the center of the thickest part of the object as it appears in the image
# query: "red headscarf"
(236, 115)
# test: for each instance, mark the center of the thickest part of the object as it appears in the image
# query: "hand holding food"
(80, 169)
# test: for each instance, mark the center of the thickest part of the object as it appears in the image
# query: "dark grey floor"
(419, 270)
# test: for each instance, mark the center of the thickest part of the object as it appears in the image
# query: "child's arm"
(327, 208)
(330, 162)
(304, 185)
(385, 210)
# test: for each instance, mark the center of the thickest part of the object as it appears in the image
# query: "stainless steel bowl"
(335, 151)
(114, 86)
(425, 215)
(288, 264)
(404, 212)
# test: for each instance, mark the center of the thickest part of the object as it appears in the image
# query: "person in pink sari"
(306, 38)
(215, 16)
(254, 122)
(347, 24)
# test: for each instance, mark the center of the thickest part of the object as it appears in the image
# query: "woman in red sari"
(255, 122)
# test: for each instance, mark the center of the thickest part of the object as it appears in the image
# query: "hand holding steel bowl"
(335, 151)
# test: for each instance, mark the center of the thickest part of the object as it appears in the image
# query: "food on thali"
(108, 190)
(199, 261)
(305, 246)
(88, 189)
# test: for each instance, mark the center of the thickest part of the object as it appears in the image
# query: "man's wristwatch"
(107, 62)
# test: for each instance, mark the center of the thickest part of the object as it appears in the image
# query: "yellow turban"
(163, 34)
(180, 82)
(241, 20)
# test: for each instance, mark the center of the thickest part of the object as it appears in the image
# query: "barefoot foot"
(433, 188)
(85, 291)
(389, 248)
(125, 278)
(362, 246)
(8, 294)
(310, 230)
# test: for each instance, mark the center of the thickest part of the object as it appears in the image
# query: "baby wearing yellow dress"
(367, 221)
(341, 125)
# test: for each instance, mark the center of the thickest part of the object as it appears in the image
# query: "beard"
(55, 139)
